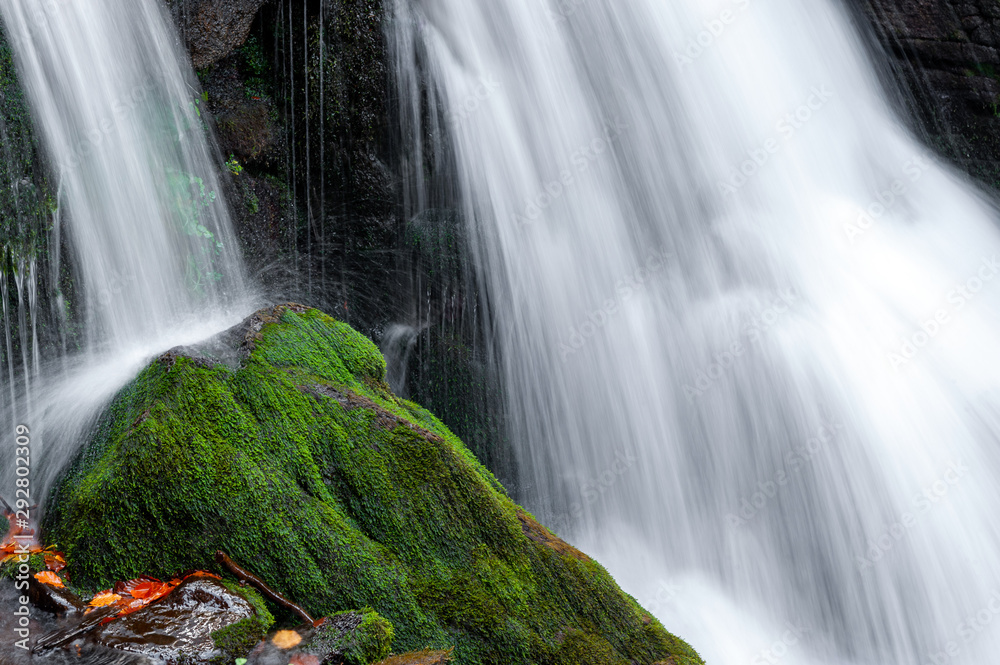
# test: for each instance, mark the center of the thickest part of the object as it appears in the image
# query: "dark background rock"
(213, 28)
(943, 56)
(304, 105)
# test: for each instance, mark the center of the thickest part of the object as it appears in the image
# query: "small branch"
(259, 584)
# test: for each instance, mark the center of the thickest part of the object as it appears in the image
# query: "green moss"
(36, 564)
(304, 468)
(236, 640)
(580, 648)
(369, 642)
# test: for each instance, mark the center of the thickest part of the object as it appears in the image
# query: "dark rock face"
(946, 56)
(300, 105)
(27, 203)
(213, 28)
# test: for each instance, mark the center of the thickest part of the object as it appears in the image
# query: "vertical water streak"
(57, 299)
(747, 323)
(36, 360)
(22, 328)
(322, 146)
(121, 121)
(9, 356)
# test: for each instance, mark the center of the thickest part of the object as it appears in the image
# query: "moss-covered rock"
(356, 638)
(238, 638)
(292, 455)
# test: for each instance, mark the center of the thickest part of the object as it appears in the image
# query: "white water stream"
(156, 262)
(748, 324)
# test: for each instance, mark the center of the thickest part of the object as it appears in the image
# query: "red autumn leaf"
(48, 577)
(54, 561)
(158, 591)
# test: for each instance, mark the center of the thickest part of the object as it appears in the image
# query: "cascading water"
(155, 261)
(747, 323)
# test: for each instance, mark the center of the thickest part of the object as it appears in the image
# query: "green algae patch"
(292, 455)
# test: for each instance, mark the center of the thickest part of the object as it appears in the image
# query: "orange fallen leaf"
(127, 586)
(159, 591)
(144, 589)
(48, 577)
(286, 639)
(104, 598)
(127, 607)
(132, 595)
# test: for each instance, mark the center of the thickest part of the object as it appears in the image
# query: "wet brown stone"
(178, 625)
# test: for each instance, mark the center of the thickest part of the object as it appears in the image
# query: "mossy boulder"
(284, 447)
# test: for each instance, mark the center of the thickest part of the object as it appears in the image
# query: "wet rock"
(213, 28)
(180, 625)
(58, 600)
(944, 56)
(42, 623)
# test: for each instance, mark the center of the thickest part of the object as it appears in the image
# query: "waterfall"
(747, 322)
(155, 262)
